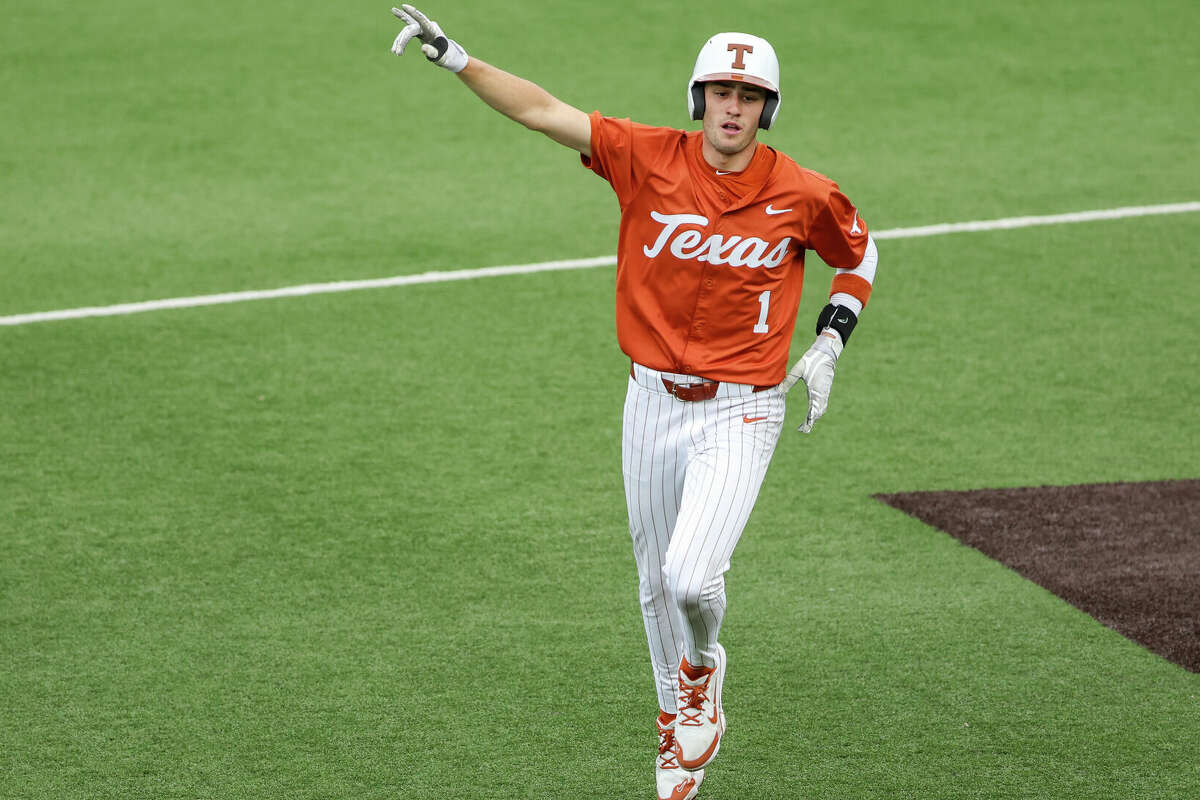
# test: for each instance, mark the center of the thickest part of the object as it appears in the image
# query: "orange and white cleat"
(674, 782)
(701, 720)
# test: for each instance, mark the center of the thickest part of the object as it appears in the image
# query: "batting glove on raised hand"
(434, 44)
(816, 368)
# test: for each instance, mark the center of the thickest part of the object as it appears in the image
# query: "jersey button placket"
(707, 284)
(702, 303)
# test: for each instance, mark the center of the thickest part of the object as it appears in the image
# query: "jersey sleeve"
(840, 237)
(612, 153)
(625, 152)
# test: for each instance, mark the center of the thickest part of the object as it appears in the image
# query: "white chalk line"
(551, 266)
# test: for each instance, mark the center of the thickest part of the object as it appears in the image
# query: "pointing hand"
(435, 45)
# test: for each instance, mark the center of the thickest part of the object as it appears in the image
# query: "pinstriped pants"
(692, 473)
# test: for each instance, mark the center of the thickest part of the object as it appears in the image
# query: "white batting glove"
(434, 44)
(816, 368)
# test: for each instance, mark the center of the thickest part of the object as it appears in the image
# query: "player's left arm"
(840, 237)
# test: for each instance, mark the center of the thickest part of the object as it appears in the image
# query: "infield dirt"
(1126, 553)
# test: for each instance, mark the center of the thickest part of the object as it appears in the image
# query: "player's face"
(731, 112)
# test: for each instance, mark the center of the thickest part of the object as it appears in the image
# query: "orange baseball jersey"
(710, 265)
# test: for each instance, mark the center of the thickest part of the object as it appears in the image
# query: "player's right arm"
(529, 104)
(516, 98)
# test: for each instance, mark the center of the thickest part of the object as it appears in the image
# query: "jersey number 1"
(764, 301)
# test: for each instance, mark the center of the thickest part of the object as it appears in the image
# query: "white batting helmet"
(736, 57)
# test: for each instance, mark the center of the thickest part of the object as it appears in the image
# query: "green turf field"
(373, 545)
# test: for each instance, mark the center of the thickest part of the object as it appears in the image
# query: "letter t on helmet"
(736, 57)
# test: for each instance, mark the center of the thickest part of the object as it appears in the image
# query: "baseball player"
(710, 263)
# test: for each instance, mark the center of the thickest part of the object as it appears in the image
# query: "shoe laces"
(666, 749)
(692, 697)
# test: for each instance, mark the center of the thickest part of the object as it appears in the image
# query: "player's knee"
(652, 595)
(683, 590)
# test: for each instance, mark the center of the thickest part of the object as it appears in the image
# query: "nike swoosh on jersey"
(777, 210)
(748, 420)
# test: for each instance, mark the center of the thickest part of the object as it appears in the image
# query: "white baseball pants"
(692, 473)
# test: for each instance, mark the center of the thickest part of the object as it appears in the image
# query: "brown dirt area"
(1126, 553)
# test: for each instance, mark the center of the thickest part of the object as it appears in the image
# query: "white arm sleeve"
(864, 270)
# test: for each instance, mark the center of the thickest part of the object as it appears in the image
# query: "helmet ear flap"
(769, 110)
(697, 100)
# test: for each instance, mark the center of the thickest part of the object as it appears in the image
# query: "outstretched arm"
(516, 98)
